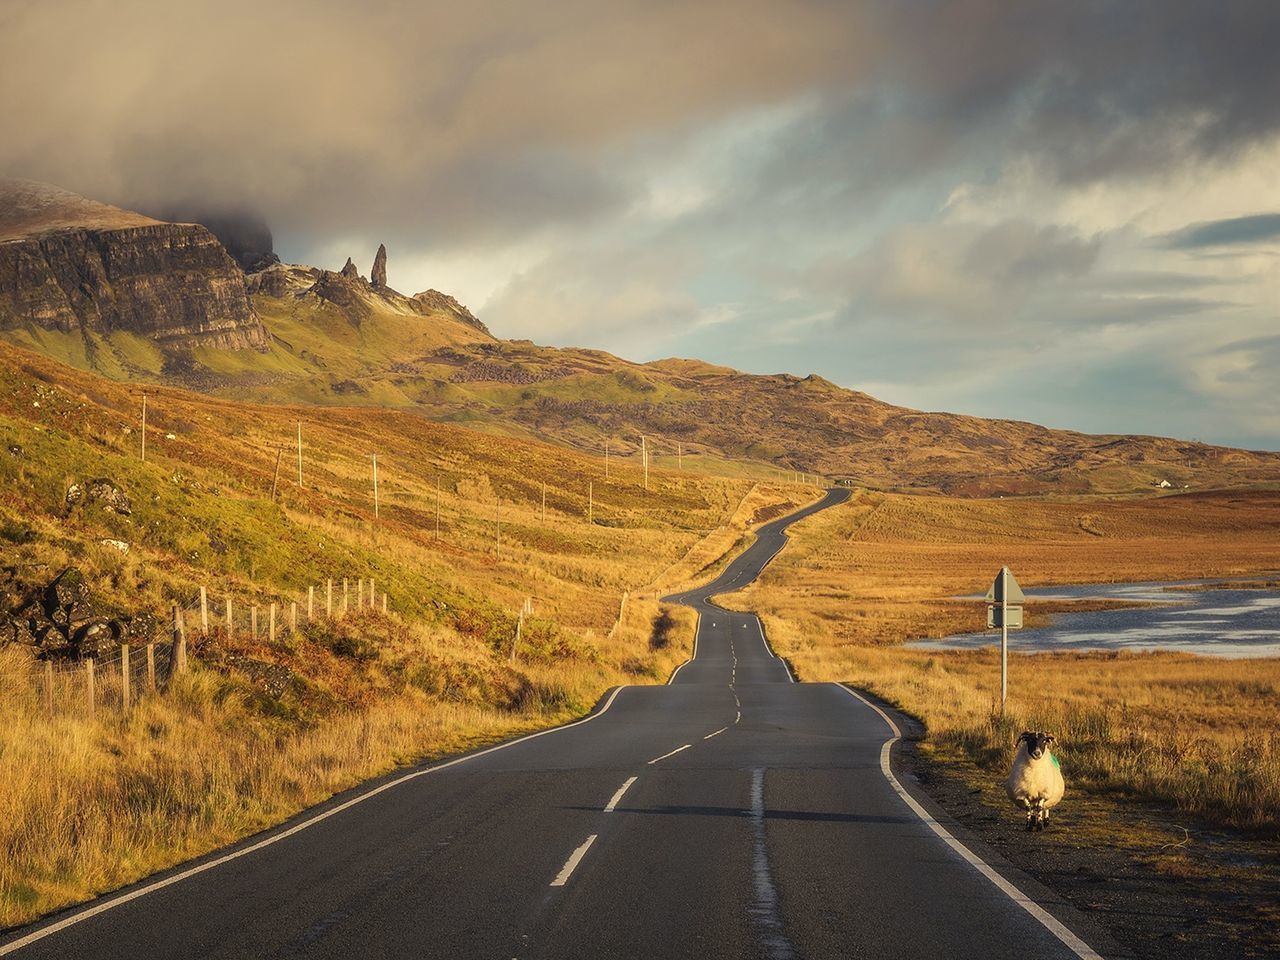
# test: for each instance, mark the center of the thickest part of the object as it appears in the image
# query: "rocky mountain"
(72, 265)
(335, 337)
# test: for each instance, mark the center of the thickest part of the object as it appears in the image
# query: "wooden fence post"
(253, 621)
(88, 679)
(271, 623)
(231, 625)
(311, 602)
(124, 677)
(372, 593)
(384, 603)
(328, 598)
(293, 616)
(151, 667)
(360, 594)
(48, 686)
(516, 641)
(179, 642)
(345, 594)
(204, 609)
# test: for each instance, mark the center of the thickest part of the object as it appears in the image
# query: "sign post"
(1004, 610)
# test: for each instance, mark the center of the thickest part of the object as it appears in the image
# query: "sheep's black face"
(1037, 743)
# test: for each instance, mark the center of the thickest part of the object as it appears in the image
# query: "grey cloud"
(469, 124)
(1085, 91)
(1234, 230)
(454, 123)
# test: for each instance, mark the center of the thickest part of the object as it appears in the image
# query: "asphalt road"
(731, 813)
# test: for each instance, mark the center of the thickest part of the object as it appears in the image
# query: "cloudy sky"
(1061, 212)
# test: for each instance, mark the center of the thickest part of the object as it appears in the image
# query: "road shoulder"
(1132, 879)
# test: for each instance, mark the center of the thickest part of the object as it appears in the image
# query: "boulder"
(111, 497)
(96, 639)
(75, 495)
(141, 628)
(101, 491)
(67, 590)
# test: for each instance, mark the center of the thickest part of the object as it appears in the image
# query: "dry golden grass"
(89, 804)
(1197, 732)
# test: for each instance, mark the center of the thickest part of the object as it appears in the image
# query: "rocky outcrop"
(61, 620)
(433, 301)
(378, 275)
(282, 280)
(349, 270)
(101, 492)
(347, 293)
(171, 282)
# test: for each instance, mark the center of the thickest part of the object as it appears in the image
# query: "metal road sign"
(997, 592)
(1004, 616)
(1004, 610)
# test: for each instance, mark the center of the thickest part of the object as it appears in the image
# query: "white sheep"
(1035, 783)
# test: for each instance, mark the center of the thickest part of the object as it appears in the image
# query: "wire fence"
(118, 675)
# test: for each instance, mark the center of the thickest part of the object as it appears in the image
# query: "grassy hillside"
(378, 351)
(88, 803)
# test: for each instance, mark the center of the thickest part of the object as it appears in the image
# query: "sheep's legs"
(1036, 815)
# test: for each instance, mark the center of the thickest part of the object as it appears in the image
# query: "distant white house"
(1164, 484)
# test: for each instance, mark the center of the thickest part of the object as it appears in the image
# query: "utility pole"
(375, 486)
(276, 478)
(144, 428)
(299, 454)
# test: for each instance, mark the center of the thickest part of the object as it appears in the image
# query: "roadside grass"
(1198, 733)
(89, 804)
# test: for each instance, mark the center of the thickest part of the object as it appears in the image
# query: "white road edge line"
(716, 734)
(142, 891)
(696, 627)
(671, 754)
(1046, 919)
(768, 649)
(571, 864)
(613, 803)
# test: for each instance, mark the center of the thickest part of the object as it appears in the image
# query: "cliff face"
(171, 282)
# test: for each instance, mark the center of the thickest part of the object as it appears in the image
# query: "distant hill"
(338, 338)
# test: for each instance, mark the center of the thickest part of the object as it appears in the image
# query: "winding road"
(731, 813)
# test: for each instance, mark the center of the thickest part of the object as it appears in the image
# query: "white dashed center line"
(571, 864)
(671, 754)
(716, 734)
(613, 803)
